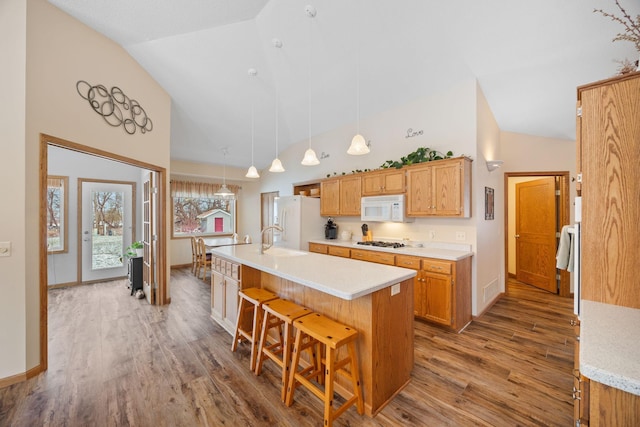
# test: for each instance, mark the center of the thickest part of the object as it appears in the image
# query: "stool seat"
(278, 315)
(251, 300)
(318, 331)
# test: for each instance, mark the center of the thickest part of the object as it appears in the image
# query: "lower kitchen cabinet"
(442, 288)
(227, 278)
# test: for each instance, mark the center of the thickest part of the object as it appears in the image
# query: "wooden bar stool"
(278, 314)
(321, 330)
(251, 300)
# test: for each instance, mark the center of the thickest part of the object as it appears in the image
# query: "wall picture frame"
(488, 203)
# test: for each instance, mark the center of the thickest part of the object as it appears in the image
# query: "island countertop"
(340, 277)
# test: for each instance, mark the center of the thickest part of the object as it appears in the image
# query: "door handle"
(517, 236)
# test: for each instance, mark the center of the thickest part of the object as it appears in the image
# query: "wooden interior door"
(536, 233)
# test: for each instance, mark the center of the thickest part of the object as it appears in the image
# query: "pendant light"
(310, 158)
(358, 144)
(224, 192)
(252, 172)
(276, 165)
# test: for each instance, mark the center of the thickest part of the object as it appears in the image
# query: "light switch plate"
(395, 289)
(5, 248)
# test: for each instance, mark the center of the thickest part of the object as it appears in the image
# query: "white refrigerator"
(300, 220)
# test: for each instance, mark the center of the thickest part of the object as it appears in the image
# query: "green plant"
(130, 250)
(421, 155)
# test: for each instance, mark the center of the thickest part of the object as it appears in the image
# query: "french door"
(107, 212)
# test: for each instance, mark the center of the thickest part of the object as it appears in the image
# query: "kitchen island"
(377, 300)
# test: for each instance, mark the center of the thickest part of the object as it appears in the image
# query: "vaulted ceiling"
(528, 58)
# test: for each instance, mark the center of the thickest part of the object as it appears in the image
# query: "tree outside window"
(57, 205)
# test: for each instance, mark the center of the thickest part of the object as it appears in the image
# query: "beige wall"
(59, 52)
(12, 186)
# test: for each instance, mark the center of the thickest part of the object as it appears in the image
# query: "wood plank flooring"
(116, 361)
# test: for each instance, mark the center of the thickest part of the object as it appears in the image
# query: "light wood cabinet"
(609, 135)
(318, 248)
(339, 251)
(341, 196)
(440, 188)
(442, 288)
(391, 181)
(580, 383)
(226, 280)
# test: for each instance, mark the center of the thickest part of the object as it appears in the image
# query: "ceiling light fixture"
(358, 145)
(493, 164)
(310, 158)
(252, 172)
(223, 191)
(276, 165)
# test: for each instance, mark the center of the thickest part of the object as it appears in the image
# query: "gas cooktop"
(383, 244)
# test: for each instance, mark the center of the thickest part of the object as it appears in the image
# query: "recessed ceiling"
(528, 58)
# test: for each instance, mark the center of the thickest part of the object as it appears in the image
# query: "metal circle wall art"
(116, 108)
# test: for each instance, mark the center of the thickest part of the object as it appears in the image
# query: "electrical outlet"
(395, 289)
(461, 235)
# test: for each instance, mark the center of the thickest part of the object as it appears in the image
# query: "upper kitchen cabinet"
(440, 188)
(608, 157)
(341, 196)
(388, 181)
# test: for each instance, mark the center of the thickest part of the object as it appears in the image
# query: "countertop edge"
(425, 252)
(608, 351)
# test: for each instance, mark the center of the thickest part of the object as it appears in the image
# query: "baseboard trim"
(491, 304)
(173, 267)
(18, 378)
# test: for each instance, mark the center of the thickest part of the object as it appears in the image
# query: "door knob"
(517, 236)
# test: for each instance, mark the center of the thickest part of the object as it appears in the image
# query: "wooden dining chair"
(194, 254)
(204, 259)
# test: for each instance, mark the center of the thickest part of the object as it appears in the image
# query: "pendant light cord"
(310, 48)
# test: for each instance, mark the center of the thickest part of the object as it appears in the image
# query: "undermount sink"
(283, 252)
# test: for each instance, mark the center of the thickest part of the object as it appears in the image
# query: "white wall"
(13, 22)
(62, 267)
(45, 52)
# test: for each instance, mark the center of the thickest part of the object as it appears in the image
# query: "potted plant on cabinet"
(135, 250)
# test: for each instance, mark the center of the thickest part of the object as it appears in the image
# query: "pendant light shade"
(276, 166)
(224, 191)
(252, 172)
(358, 146)
(310, 158)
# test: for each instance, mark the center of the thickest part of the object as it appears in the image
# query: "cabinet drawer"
(371, 256)
(407, 261)
(318, 248)
(217, 263)
(339, 251)
(434, 266)
(235, 271)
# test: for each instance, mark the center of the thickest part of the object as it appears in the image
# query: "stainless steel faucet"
(270, 227)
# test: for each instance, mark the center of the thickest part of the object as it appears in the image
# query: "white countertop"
(447, 251)
(610, 345)
(341, 277)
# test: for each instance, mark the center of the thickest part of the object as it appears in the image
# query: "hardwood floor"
(115, 360)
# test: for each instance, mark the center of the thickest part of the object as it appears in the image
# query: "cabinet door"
(446, 193)
(231, 301)
(419, 295)
(419, 186)
(217, 295)
(330, 197)
(394, 181)
(437, 298)
(372, 184)
(350, 194)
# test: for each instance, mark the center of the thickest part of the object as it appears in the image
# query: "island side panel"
(462, 286)
(393, 353)
(354, 313)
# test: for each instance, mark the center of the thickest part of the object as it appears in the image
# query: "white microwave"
(383, 209)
